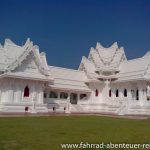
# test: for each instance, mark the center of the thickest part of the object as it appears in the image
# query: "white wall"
(12, 91)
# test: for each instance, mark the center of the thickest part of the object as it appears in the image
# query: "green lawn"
(47, 133)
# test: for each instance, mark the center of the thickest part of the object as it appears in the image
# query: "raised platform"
(138, 117)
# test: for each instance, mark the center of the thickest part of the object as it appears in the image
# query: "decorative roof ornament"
(107, 54)
(1, 46)
(24, 52)
(104, 61)
(114, 45)
(98, 45)
(91, 50)
(124, 58)
(9, 42)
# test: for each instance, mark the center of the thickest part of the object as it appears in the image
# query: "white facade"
(106, 82)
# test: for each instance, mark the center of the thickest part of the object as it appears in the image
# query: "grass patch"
(47, 133)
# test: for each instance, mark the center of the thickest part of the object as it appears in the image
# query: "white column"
(19, 95)
(92, 96)
(40, 97)
(68, 104)
(144, 92)
(141, 95)
(78, 97)
(40, 93)
(113, 94)
(15, 94)
(10, 96)
(129, 94)
(58, 95)
(58, 99)
(141, 86)
(121, 94)
(107, 90)
(3, 93)
(10, 92)
(89, 96)
(0, 95)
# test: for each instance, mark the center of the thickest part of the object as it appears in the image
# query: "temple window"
(125, 92)
(53, 94)
(26, 91)
(54, 108)
(63, 95)
(117, 93)
(26, 109)
(83, 96)
(137, 94)
(110, 93)
(96, 93)
(44, 94)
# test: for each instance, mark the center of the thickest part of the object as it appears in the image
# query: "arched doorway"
(96, 92)
(110, 93)
(73, 98)
(125, 92)
(137, 94)
(26, 91)
(117, 93)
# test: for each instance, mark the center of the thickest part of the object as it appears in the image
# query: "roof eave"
(26, 77)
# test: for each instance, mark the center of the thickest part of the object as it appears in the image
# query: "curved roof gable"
(13, 55)
(106, 54)
(104, 59)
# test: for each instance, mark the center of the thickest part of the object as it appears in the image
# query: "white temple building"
(106, 82)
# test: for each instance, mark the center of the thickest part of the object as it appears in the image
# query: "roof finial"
(1, 45)
(92, 49)
(8, 41)
(115, 45)
(98, 45)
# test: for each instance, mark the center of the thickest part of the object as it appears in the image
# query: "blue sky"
(66, 29)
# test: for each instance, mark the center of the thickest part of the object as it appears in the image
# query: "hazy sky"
(66, 29)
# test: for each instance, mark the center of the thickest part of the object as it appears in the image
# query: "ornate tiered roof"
(103, 62)
(13, 56)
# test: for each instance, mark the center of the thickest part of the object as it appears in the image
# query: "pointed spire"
(27, 42)
(28, 39)
(36, 48)
(9, 42)
(114, 45)
(84, 58)
(43, 54)
(98, 45)
(1, 46)
(121, 48)
(92, 49)
(91, 52)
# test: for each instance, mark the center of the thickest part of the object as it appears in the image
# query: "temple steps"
(138, 110)
(56, 108)
(94, 108)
